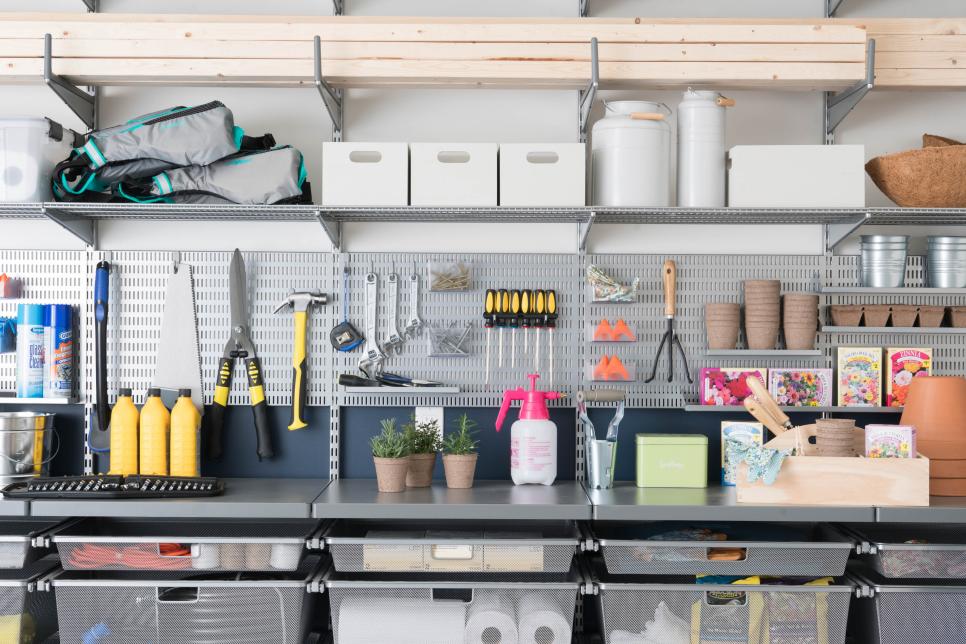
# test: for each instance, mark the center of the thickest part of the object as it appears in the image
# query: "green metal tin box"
(672, 460)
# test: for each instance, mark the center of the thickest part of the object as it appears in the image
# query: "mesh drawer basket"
(750, 549)
(450, 547)
(406, 608)
(166, 608)
(27, 612)
(920, 612)
(120, 544)
(939, 554)
(16, 541)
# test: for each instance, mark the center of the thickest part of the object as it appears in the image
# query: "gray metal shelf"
(359, 499)
(907, 290)
(243, 499)
(626, 502)
(905, 330)
(721, 409)
(10, 398)
(14, 508)
(941, 509)
(763, 353)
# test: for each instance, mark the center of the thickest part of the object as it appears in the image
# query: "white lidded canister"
(631, 155)
(702, 157)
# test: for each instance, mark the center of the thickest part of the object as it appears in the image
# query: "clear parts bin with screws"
(450, 276)
(450, 341)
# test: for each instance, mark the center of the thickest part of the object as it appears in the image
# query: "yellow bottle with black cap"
(185, 421)
(124, 435)
(155, 424)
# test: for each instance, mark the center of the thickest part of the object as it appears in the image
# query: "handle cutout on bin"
(365, 156)
(464, 595)
(452, 552)
(178, 595)
(726, 554)
(453, 156)
(542, 157)
(175, 550)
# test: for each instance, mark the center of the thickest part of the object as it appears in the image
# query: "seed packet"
(752, 433)
(726, 386)
(903, 366)
(890, 441)
(801, 387)
(860, 377)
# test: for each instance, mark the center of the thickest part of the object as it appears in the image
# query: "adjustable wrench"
(393, 342)
(373, 357)
(415, 326)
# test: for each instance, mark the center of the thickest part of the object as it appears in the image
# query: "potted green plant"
(459, 454)
(424, 442)
(390, 454)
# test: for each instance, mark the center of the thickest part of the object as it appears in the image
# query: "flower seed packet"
(746, 432)
(860, 377)
(728, 386)
(801, 387)
(890, 441)
(904, 365)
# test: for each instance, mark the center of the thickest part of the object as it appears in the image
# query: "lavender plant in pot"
(424, 443)
(390, 454)
(459, 454)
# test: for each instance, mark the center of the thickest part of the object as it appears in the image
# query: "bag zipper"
(197, 109)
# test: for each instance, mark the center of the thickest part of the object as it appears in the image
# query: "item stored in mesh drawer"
(686, 613)
(914, 612)
(919, 552)
(120, 544)
(26, 613)
(497, 547)
(723, 549)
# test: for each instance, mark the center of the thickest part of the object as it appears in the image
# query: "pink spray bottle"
(533, 438)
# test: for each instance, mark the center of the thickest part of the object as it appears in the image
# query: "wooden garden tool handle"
(647, 116)
(722, 101)
(763, 416)
(765, 400)
(670, 286)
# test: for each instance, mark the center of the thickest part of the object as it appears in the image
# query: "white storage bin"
(542, 174)
(454, 174)
(796, 176)
(29, 150)
(365, 174)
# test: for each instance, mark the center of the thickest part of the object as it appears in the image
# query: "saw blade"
(179, 356)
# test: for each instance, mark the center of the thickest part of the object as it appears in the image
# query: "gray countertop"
(243, 499)
(626, 502)
(941, 509)
(359, 499)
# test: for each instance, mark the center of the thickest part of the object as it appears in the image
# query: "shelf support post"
(338, 7)
(583, 7)
(831, 6)
(838, 105)
(331, 97)
(80, 227)
(333, 230)
(583, 232)
(835, 233)
(585, 100)
(81, 103)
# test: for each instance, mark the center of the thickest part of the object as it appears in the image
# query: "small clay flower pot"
(460, 470)
(391, 473)
(420, 472)
(722, 334)
(800, 337)
(876, 314)
(904, 315)
(722, 311)
(846, 314)
(800, 300)
(762, 286)
(957, 315)
(762, 337)
(931, 316)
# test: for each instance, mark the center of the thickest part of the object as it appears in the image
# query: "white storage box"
(365, 174)
(29, 150)
(454, 174)
(542, 174)
(796, 176)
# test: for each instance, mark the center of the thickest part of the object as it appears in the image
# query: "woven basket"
(931, 177)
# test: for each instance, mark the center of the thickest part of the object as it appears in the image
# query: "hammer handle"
(299, 386)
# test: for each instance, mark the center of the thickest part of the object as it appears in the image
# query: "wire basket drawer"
(409, 608)
(450, 547)
(120, 544)
(27, 612)
(923, 552)
(16, 541)
(918, 611)
(166, 608)
(681, 613)
(750, 549)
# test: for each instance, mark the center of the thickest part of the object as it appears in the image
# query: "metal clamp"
(838, 105)
(81, 103)
(331, 97)
(585, 100)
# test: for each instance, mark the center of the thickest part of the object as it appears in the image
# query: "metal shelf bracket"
(583, 6)
(81, 103)
(338, 7)
(831, 6)
(331, 97)
(585, 100)
(835, 233)
(333, 230)
(838, 105)
(80, 227)
(583, 232)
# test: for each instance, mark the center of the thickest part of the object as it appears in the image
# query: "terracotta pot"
(722, 334)
(931, 316)
(391, 473)
(904, 315)
(753, 286)
(800, 300)
(957, 315)
(762, 336)
(800, 337)
(846, 314)
(420, 472)
(951, 469)
(955, 450)
(876, 314)
(936, 407)
(947, 487)
(723, 311)
(460, 470)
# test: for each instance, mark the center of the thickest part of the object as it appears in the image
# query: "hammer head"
(302, 300)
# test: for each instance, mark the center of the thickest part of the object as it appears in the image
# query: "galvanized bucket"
(25, 445)
(883, 260)
(946, 262)
(601, 462)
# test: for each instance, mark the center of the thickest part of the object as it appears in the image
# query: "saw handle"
(765, 400)
(670, 287)
(299, 383)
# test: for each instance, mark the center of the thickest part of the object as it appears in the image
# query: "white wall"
(884, 122)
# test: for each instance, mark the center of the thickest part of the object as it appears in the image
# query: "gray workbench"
(243, 499)
(14, 508)
(359, 499)
(627, 502)
(941, 509)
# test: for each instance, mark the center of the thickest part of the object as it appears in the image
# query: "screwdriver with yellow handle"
(514, 324)
(526, 308)
(489, 317)
(539, 311)
(502, 319)
(551, 322)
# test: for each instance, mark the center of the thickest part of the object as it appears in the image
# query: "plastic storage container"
(121, 608)
(701, 150)
(631, 155)
(28, 611)
(518, 608)
(29, 150)
(750, 549)
(492, 547)
(365, 174)
(796, 176)
(453, 174)
(542, 174)
(672, 460)
(130, 544)
(923, 552)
